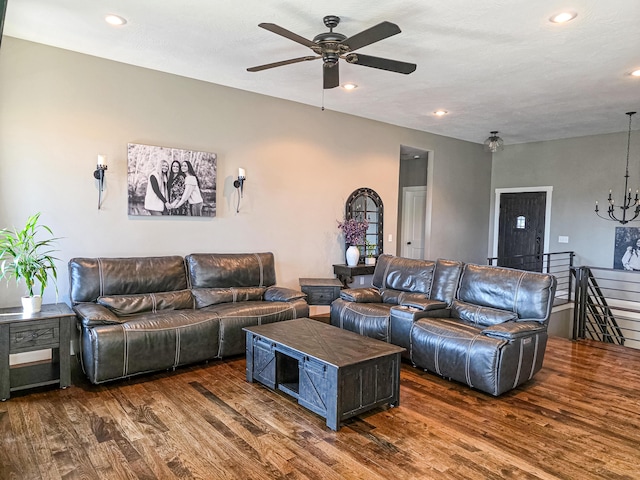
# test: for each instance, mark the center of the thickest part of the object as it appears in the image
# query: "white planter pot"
(353, 255)
(31, 304)
(370, 261)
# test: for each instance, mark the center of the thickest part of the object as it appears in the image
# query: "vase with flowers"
(354, 232)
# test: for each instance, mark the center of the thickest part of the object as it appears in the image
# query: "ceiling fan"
(332, 46)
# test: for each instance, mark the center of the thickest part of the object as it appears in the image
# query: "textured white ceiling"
(493, 65)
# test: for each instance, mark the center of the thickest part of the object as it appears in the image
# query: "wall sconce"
(98, 174)
(239, 184)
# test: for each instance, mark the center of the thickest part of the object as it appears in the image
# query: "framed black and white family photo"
(626, 254)
(166, 181)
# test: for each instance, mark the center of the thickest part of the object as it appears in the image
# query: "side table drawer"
(321, 295)
(44, 334)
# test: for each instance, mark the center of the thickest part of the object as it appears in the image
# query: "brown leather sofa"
(145, 314)
(481, 325)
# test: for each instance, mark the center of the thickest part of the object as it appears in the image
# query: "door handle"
(408, 243)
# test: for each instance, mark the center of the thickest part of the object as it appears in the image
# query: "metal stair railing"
(593, 316)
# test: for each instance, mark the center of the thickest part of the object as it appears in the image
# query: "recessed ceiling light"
(115, 20)
(563, 17)
(636, 73)
(440, 113)
(349, 86)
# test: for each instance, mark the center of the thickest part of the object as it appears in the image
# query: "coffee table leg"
(396, 382)
(249, 350)
(334, 398)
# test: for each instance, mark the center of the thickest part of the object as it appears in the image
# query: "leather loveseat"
(153, 313)
(481, 325)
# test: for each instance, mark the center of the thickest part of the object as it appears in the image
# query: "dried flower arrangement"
(354, 231)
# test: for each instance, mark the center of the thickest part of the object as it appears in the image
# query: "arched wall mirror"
(365, 204)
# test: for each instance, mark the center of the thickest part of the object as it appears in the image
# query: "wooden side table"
(47, 329)
(320, 291)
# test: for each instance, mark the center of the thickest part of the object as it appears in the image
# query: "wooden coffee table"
(332, 372)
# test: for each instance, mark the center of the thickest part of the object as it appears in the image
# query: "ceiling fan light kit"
(332, 46)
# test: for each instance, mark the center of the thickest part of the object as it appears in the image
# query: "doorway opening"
(413, 201)
(522, 222)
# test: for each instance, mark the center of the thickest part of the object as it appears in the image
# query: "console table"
(332, 372)
(345, 273)
(47, 329)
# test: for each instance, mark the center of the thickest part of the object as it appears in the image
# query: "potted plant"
(370, 251)
(354, 234)
(25, 258)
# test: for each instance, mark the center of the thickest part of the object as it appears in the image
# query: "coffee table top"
(329, 344)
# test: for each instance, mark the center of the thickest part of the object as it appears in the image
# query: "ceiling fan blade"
(381, 63)
(279, 64)
(272, 27)
(331, 76)
(370, 35)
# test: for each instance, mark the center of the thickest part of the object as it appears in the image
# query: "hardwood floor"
(579, 418)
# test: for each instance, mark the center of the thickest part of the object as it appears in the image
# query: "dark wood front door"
(521, 230)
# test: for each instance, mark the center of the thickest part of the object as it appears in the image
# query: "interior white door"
(414, 201)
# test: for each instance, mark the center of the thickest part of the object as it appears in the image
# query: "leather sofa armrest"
(424, 304)
(282, 294)
(361, 295)
(91, 314)
(512, 330)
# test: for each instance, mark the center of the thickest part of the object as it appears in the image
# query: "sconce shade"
(493, 143)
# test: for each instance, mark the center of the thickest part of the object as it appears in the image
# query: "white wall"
(59, 109)
(580, 170)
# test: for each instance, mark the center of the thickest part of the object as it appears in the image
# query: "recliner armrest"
(91, 314)
(361, 295)
(424, 304)
(282, 294)
(512, 330)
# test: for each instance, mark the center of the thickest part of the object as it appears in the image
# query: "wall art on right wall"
(626, 255)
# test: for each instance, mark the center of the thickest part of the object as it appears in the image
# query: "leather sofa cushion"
(123, 305)
(528, 294)
(368, 319)
(481, 316)
(213, 296)
(391, 296)
(445, 280)
(403, 274)
(223, 270)
(91, 278)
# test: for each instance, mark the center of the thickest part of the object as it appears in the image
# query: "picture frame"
(170, 182)
(626, 254)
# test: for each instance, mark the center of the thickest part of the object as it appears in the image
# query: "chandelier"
(627, 201)
(493, 143)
